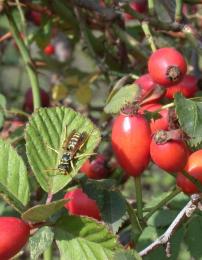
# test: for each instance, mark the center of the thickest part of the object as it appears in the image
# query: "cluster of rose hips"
(135, 141)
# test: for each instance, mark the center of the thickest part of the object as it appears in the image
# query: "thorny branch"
(108, 14)
(164, 240)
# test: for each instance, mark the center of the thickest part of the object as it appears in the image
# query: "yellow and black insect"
(71, 146)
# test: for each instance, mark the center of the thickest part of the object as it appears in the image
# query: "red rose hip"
(188, 87)
(131, 137)
(160, 123)
(194, 169)
(145, 82)
(81, 205)
(28, 105)
(170, 155)
(139, 6)
(14, 234)
(167, 66)
(96, 169)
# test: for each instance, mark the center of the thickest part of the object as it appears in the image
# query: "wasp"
(71, 146)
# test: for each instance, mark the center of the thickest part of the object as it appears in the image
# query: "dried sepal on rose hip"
(169, 151)
(167, 66)
(131, 137)
(193, 168)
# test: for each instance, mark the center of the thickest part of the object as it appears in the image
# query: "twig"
(148, 35)
(153, 21)
(185, 213)
(138, 193)
(26, 57)
(23, 21)
(108, 14)
(178, 10)
(6, 36)
(130, 42)
(151, 7)
(49, 198)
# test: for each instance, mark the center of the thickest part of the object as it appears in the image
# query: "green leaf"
(193, 237)
(41, 213)
(190, 118)
(1, 119)
(111, 204)
(80, 238)
(2, 107)
(46, 130)
(40, 241)
(160, 197)
(13, 176)
(127, 255)
(114, 210)
(121, 98)
(2, 101)
(162, 218)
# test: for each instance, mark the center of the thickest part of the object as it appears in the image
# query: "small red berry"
(170, 156)
(188, 87)
(81, 205)
(14, 234)
(131, 137)
(194, 169)
(160, 123)
(96, 169)
(49, 50)
(28, 100)
(167, 66)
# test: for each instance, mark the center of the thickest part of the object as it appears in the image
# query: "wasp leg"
(84, 155)
(73, 168)
(51, 148)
